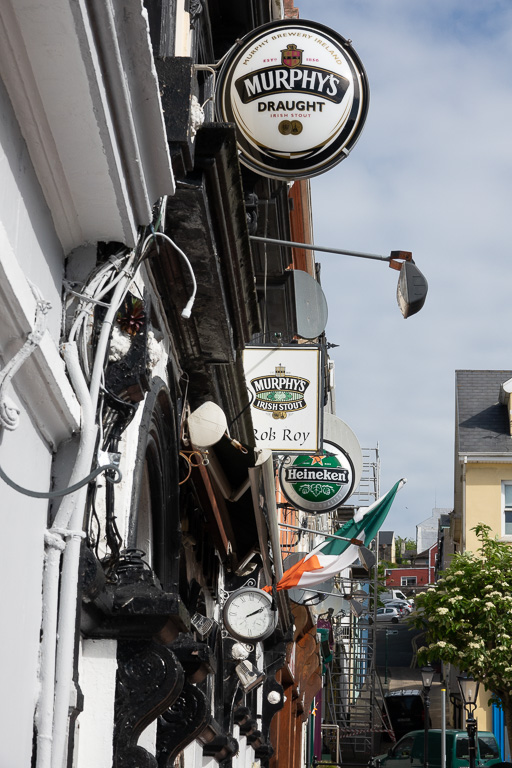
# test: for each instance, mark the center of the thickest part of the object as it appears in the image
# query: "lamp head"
(356, 608)
(427, 675)
(412, 289)
(468, 687)
(367, 558)
(249, 675)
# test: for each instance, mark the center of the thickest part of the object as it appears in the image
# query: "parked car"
(406, 710)
(403, 605)
(409, 750)
(386, 614)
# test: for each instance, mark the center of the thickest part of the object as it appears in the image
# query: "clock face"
(248, 614)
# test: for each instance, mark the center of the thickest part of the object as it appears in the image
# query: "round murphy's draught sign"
(299, 96)
(318, 484)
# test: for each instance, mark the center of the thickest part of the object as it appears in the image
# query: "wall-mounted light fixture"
(202, 624)
(412, 284)
(249, 675)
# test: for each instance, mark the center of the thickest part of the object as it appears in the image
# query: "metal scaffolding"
(355, 709)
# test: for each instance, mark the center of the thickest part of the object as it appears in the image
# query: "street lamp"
(427, 675)
(412, 285)
(468, 687)
(388, 633)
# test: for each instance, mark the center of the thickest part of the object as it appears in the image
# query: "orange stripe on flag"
(292, 576)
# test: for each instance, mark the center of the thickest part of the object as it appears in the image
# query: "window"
(410, 581)
(488, 747)
(506, 496)
(404, 748)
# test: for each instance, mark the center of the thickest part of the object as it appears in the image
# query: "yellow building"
(483, 477)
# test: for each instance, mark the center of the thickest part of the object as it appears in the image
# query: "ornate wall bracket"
(183, 722)
(149, 680)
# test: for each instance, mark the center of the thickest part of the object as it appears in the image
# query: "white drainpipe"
(57, 649)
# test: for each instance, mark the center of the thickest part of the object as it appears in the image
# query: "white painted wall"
(193, 756)
(25, 216)
(77, 143)
(426, 531)
(97, 670)
(28, 234)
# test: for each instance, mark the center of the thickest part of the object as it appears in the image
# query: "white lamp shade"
(468, 689)
(427, 675)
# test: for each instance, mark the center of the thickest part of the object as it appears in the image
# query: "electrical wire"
(65, 491)
(93, 539)
(251, 399)
(187, 311)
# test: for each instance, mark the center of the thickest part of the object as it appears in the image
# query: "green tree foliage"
(408, 543)
(402, 544)
(468, 617)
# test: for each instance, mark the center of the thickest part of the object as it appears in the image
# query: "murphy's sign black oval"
(279, 393)
(299, 96)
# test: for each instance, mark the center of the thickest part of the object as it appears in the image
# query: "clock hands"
(248, 614)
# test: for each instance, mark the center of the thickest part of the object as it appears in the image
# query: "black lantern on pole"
(427, 675)
(468, 687)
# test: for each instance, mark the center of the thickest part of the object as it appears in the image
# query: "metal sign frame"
(286, 385)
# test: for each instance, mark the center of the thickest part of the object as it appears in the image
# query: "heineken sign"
(284, 386)
(318, 484)
(299, 96)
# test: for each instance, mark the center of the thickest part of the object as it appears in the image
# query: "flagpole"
(357, 542)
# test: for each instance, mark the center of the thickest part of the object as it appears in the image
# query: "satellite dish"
(336, 603)
(310, 305)
(339, 433)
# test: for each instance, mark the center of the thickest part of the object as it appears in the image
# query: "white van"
(394, 594)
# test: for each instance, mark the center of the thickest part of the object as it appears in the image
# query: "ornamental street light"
(468, 687)
(427, 675)
(388, 633)
(412, 285)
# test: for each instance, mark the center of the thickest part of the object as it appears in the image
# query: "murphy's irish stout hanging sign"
(285, 391)
(299, 96)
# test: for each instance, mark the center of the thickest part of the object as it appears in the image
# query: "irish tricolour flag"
(331, 557)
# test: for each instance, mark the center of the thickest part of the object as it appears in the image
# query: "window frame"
(406, 581)
(504, 535)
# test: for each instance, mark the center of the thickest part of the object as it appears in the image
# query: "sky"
(432, 174)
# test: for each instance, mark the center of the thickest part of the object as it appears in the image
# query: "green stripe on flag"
(367, 528)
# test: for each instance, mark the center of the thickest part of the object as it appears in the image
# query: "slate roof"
(483, 425)
(386, 538)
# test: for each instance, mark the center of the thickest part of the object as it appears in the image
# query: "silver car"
(403, 608)
(387, 614)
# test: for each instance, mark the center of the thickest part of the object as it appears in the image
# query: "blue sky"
(431, 173)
